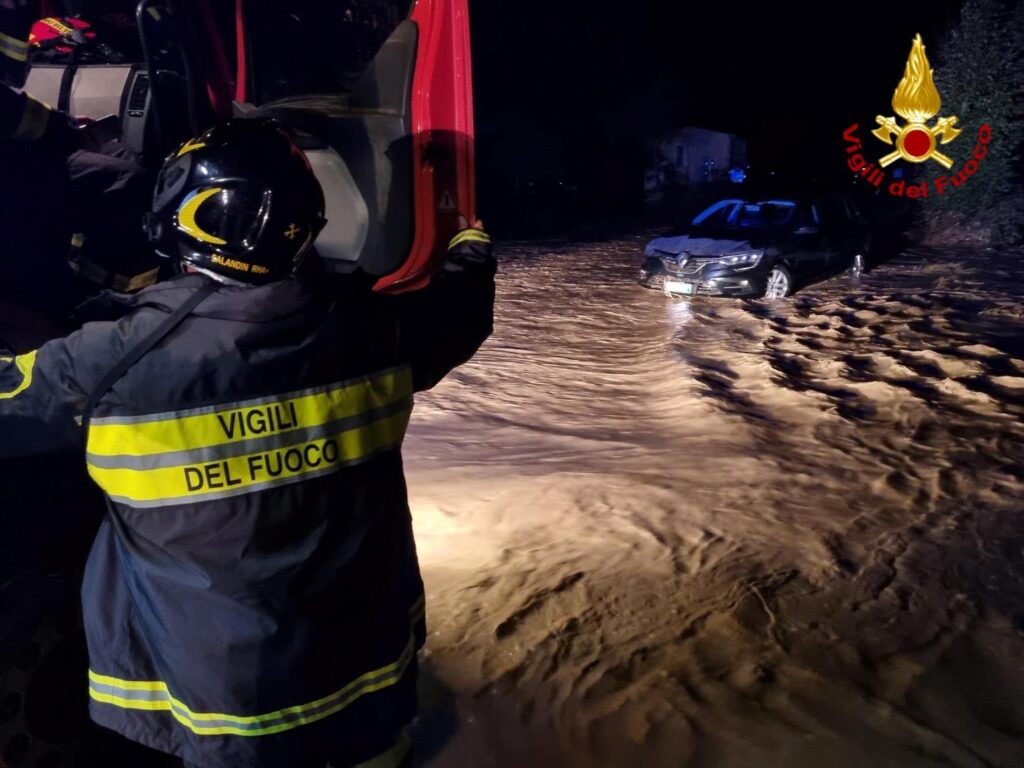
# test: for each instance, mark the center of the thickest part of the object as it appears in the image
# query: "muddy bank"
(710, 533)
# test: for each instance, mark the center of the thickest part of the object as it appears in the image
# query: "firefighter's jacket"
(25, 119)
(15, 25)
(252, 597)
(21, 116)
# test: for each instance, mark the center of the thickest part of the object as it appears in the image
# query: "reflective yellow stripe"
(114, 691)
(469, 235)
(33, 122)
(228, 730)
(236, 475)
(13, 48)
(124, 703)
(416, 611)
(232, 423)
(128, 685)
(24, 364)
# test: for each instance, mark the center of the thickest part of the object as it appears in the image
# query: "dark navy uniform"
(253, 596)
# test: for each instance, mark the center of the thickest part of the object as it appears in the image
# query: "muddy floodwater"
(661, 532)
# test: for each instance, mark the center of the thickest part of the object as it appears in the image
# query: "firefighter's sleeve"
(16, 17)
(43, 393)
(23, 118)
(444, 325)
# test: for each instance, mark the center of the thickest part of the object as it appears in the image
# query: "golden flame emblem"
(917, 101)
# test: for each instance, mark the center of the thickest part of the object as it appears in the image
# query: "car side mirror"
(808, 230)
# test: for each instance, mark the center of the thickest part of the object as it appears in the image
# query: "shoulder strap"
(67, 79)
(133, 356)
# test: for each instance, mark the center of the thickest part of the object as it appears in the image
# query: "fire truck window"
(316, 46)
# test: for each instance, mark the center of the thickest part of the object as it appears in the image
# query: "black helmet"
(241, 200)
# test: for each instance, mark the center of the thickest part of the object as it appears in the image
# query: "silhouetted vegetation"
(980, 75)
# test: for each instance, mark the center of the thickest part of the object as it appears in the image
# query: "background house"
(694, 156)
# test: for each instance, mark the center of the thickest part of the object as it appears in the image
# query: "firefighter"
(34, 186)
(58, 180)
(253, 596)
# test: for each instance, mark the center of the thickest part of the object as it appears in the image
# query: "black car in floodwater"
(758, 248)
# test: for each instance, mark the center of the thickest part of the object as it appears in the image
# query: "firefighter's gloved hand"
(470, 248)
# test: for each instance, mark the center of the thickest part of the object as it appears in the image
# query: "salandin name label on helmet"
(209, 453)
(241, 266)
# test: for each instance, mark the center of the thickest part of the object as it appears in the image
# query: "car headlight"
(741, 261)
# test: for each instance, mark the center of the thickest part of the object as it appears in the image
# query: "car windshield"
(743, 214)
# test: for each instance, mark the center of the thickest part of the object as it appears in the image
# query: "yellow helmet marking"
(187, 216)
(190, 146)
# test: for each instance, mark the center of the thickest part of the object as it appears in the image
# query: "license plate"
(687, 289)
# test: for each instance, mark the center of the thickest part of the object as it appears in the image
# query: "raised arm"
(444, 325)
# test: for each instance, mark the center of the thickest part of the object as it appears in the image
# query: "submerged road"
(661, 532)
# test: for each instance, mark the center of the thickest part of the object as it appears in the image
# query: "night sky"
(570, 91)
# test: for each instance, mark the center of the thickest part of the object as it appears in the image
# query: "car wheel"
(858, 268)
(779, 284)
(864, 257)
(652, 273)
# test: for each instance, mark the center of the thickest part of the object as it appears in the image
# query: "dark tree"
(980, 75)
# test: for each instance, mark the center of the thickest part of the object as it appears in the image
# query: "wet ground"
(706, 532)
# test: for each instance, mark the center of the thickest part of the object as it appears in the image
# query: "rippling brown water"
(712, 533)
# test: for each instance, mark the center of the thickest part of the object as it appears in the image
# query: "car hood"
(706, 243)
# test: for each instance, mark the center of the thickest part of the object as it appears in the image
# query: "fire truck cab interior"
(379, 91)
